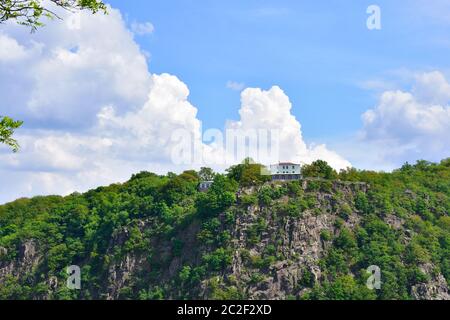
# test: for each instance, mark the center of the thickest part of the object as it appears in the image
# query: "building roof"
(288, 164)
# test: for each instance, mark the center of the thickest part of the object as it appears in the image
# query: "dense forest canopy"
(162, 212)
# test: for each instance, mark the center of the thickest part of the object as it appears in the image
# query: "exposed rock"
(295, 238)
(435, 289)
(120, 274)
(300, 245)
(394, 221)
(27, 259)
(53, 283)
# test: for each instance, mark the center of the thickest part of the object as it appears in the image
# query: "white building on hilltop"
(285, 171)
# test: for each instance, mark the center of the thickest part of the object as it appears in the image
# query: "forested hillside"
(158, 237)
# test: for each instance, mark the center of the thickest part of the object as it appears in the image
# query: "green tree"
(30, 12)
(319, 169)
(220, 196)
(248, 173)
(346, 288)
(206, 174)
(7, 128)
(219, 259)
(362, 203)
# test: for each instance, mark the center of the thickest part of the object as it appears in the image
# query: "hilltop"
(158, 237)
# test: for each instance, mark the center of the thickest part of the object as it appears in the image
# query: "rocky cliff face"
(272, 253)
(299, 243)
(300, 250)
(27, 260)
(435, 289)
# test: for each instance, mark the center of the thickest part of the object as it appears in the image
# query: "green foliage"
(135, 241)
(255, 230)
(294, 189)
(248, 200)
(218, 260)
(248, 173)
(7, 128)
(345, 211)
(185, 273)
(190, 175)
(256, 278)
(206, 174)
(346, 240)
(211, 233)
(326, 235)
(362, 203)
(308, 279)
(293, 208)
(178, 188)
(58, 257)
(343, 288)
(319, 169)
(403, 224)
(12, 289)
(218, 291)
(219, 197)
(265, 196)
(156, 293)
(30, 12)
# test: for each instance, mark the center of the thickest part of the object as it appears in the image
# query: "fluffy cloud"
(94, 114)
(236, 86)
(271, 110)
(147, 132)
(142, 28)
(71, 71)
(412, 125)
(432, 87)
(58, 162)
(10, 49)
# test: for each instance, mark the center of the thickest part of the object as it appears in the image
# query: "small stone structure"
(204, 186)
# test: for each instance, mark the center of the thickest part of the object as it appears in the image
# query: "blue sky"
(103, 97)
(319, 52)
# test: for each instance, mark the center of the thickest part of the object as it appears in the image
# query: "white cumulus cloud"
(10, 49)
(272, 110)
(432, 87)
(94, 114)
(65, 75)
(412, 125)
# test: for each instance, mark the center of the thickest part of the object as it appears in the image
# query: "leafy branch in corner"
(7, 127)
(30, 12)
